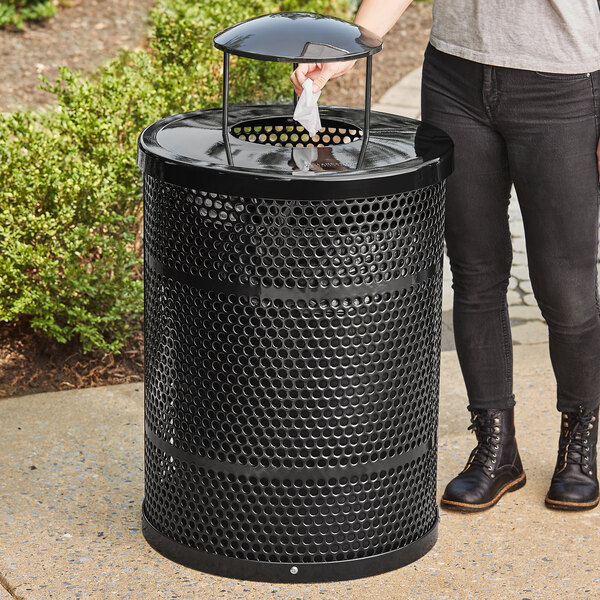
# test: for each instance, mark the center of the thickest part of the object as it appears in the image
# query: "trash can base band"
(289, 572)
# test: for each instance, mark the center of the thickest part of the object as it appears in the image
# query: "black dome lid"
(298, 37)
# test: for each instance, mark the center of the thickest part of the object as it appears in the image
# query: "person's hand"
(320, 73)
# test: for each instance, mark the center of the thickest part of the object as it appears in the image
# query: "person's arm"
(378, 16)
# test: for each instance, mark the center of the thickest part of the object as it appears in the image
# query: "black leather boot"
(494, 466)
(574, 484)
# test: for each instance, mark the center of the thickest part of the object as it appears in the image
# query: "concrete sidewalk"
(71, 491)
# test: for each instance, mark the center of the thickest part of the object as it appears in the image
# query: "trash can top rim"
(298, 37)
(402, 154)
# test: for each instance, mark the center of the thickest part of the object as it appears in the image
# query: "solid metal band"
(241, 289)
(290, 473)
(273, 572)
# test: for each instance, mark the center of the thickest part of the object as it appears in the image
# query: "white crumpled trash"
(307, 109)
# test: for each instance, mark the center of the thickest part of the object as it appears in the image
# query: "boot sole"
(466, 507)
(562, 505)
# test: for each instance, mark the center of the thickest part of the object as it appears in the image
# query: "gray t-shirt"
(557, 36)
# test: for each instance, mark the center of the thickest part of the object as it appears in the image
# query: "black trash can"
(293, 293)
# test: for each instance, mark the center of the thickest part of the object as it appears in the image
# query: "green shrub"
(70, 199)
(16, 12)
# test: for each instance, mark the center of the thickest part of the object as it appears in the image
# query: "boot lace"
(486, 430)
(573, 445)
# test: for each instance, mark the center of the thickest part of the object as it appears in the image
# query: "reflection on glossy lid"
(298, 37)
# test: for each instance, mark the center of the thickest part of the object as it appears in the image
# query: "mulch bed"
(81, 36)
(30, 362)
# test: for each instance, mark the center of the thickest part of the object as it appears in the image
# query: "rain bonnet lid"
(298, 37)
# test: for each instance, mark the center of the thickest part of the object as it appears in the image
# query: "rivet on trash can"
(293, 297)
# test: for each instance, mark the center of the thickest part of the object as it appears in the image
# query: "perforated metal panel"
(292, 371)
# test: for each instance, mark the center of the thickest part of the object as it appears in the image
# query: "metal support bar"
(367, 123)
(367, 110)
(225, 123)
(295, 95)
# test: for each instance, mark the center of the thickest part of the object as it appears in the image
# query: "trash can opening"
(284, 131)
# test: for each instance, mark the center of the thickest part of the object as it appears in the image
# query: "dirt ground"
(90, 32)
(83, 37)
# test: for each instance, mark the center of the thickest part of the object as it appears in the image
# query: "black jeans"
(540, 131)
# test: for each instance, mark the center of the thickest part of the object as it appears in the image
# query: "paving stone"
(518, 244)
(402, 96)
(513, 297)
(513, 284)
(413, 79)
(526, 287)
(406, 111)
(447, 341)
(447, 271)
(516, 228)
(447, 298)
(527, 313)
(521, 272)
(519, 258)
(530, 300)
(532, 332)
(514, 201)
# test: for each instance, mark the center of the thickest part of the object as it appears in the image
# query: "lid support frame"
(294, 67)
(367, 123)
(367, 109)
(225, 120)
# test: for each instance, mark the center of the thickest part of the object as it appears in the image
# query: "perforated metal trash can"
(292, 332)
